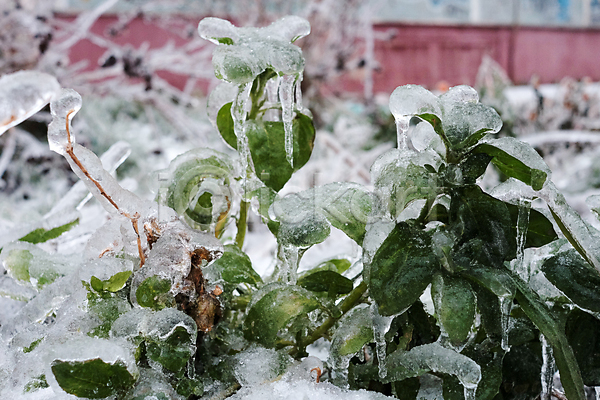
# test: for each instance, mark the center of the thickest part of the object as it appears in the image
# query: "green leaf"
(570, 273)
(37, 383)
(563, 353)
(346, 206)
(401, 269)
(225, 125)
(516, 159)
(583, 333)
(235, 267)
(153, 293)
(274, 310)
(93, 379)
(540, 230)
(354, 331)
(18, 262)
(495, 280)
(340, 265)
(42, 235)
(33, 345)
(477, 215)
(473, 166)
(454, 303)
(267, 148)
(326, 281)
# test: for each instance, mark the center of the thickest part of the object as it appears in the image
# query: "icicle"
(548, 369)
(505, 308)
(597, 392)
(271, 88)
(402, 123)
(470, 392)
(289, 259)
(238, 113)
(522, 268)
(339, 370)
(286, 97)
(381, 325)
(298, 92)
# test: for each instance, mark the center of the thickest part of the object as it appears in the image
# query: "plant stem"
(242, 223)
(350, 301)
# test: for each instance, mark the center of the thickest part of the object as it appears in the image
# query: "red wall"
(429, 54)
(421, 54)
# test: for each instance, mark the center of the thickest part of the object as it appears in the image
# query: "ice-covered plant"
(163, 303)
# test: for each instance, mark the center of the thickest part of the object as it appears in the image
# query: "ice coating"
(359, 318)
(586, 237)
(409, 100)
(522, 268)
(256, 365)
(63, 108)
(22, 94)
(505, 308)
(244, 53)
(436, 358)
(459, 94)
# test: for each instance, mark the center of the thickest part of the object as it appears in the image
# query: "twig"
(134, 219)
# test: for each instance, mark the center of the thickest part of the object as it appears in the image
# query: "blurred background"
(145, 74)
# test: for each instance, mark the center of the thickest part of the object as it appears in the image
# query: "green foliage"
(426, 224)
(94, 379)
(42, 235)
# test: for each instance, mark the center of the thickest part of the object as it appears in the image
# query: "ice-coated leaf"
(172, 352)
(403, 364)
(225, 125)
(235, 267)
(170, 338)
(274, 310)
(267, 148)
(93, 379)
(401, 269)
(42, 235)
(198, 186)
(454, 303)
(516, 159)
(217, 30)
(106, 310)
(465, 124)
(153, 293)
(564, 357)
(22, 94)
(244, 53)
(495, 280)
(330, 282)
(583, 333)
(313, 229)
(346, 206)
(409, 100)
(401, 177)
(579, 281)
(354, 331)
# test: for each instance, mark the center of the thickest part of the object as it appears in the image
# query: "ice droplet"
(63, 108)
(548, 369)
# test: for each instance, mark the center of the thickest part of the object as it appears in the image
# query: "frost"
(301, 389)
(257, 365)
(22, 94)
